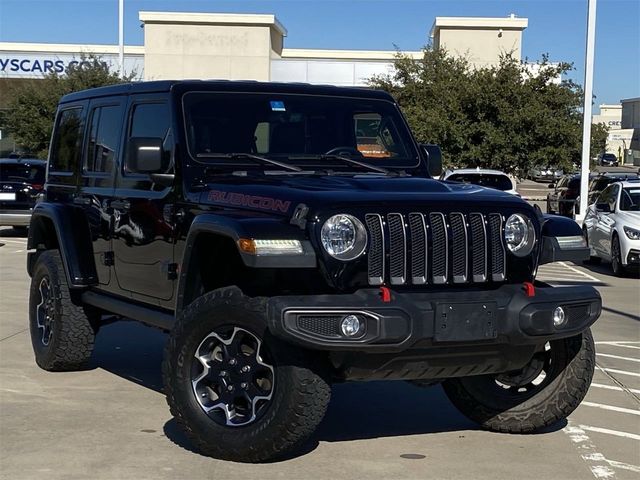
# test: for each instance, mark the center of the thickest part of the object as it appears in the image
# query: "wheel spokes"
(231, 378)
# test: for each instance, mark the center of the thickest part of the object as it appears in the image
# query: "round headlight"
(343, 237)
(519, 235)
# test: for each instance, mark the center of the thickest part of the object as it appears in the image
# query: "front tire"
(546, 391)
(62, 329)
(230, 411)
(616, 258)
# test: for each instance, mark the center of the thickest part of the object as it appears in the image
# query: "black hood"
(282, 193)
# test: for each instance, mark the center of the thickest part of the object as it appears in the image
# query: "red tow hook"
(529, 289)
(385, 294)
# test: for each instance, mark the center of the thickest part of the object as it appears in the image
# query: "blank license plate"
(461, 322)
(7, 196)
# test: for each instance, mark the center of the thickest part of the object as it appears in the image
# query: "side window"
(605, 195)
(67, 141)
(150, 120)
(104, 138)
(613, 197)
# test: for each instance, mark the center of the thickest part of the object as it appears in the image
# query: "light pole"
(586, 113)
(121, 36)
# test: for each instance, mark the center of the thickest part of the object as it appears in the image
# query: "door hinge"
(107, 259)
(172, 271)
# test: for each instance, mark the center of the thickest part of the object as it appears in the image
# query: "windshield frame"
(402, 124)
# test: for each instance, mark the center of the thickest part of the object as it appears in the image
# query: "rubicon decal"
(263, 203)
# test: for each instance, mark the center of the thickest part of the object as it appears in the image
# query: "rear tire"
(62, 330)
(216, 405)
(514, 403)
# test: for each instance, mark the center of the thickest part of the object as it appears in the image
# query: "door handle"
(120, 204)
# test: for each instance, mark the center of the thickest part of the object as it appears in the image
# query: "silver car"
(612, 226)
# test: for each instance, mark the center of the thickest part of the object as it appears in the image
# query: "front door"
(143, 226)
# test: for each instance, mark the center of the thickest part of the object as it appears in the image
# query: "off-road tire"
(74, 325)
(300, 393)
(544, 407)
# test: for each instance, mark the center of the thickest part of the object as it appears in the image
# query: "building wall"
(233, 47)
(481, 47)
(631, 120)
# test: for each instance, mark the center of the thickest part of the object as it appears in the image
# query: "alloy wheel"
(230, 377)
(45, 311)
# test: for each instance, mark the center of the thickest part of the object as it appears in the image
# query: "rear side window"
(498, 182)
(67, 141)
(104, 138)
(22, 172)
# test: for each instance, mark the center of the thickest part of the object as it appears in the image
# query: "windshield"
(630, 199)
(21, 172)
(296, 128)
(499, 182)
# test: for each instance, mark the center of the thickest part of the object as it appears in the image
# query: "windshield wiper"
(347, 160)
(250, 156)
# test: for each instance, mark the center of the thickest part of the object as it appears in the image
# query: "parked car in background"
(599, 183)
(484, 177)
(608, 160)
(21, 181)
(612, 226)
(547, 173)
(562, 199)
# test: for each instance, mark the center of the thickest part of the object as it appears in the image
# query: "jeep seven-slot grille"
(435, 248)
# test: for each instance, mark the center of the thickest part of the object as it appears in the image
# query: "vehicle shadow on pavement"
(357, 411)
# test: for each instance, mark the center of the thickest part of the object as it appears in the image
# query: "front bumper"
(505, 316)
(15, 218)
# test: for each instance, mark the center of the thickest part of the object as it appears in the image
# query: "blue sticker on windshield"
(277, 106)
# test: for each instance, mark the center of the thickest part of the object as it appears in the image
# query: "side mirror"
(144, 155)
(433, 155)
(552, 185)
(603, 207)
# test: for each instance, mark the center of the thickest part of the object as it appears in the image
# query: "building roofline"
(255, 19)
(625, 100)
(69, 48)
(507, 23)
(346, 54)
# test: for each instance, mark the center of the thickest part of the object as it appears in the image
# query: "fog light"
(350, 326)
(558, 317)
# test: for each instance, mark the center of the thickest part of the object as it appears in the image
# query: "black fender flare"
(235, 228)
(71, 236)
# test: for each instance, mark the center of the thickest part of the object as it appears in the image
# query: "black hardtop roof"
(22, 161)
(223, 86)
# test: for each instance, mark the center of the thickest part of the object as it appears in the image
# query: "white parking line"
(615, 387)
(621, 372)
(607, 431)
(580, 272)
(598, 457)
(629, 359)
(599, 468)
(611, 408)
(561, 271)
(619, 344)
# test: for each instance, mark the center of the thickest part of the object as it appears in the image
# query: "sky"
(556, 27)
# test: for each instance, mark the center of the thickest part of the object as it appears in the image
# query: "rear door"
(100, 154)
(143, 212)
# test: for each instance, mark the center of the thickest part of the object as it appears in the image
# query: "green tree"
(31, 110)
(599, 134)
(502, 116)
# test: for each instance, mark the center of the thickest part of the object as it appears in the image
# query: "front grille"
(435, 248)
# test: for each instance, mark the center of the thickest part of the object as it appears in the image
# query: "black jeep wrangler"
(290, 236)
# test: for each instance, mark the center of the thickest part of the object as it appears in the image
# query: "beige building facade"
(249, 47)
(631, 121)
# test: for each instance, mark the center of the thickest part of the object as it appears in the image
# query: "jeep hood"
(282, 193)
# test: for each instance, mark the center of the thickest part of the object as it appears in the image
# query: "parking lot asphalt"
(112, 422)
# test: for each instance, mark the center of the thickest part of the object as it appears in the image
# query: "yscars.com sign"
(18, 65)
